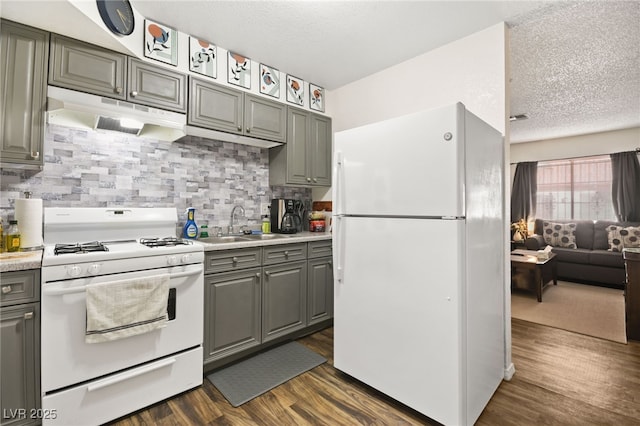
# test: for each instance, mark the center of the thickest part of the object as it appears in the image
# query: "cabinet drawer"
(20, 287)
(320, 249)
(231, 260)
(284, 253)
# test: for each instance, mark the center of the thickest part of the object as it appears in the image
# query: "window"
(575, 189)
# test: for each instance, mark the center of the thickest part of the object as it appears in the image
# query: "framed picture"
(269, 81)
(295, 90)
(239, 70)
(316, 97)
(203, 57)
(160, 42)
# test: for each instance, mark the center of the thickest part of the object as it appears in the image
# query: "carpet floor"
(585, 309)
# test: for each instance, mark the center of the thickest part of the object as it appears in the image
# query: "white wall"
(577, 146)
(470, 70)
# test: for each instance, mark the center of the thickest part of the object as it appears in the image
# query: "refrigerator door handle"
(338, 251)
(339, 201)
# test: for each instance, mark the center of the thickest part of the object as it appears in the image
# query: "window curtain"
(523, 193)
(625, 186)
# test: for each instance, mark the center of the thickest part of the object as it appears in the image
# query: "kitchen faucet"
(233, 212)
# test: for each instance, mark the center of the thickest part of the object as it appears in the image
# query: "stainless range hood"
(82, 110)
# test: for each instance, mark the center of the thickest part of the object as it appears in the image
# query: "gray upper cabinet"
(155, 86)
(320, 151)
(87, 68)
(91, 69)
(306, 158)
(264, 119)
(214, 107)
(24, 56)
(220, 108)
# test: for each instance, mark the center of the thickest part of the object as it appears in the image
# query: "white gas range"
(92, 383)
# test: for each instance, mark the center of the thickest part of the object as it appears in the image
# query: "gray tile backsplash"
(100, 168)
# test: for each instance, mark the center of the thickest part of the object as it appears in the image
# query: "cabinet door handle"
(118, 90)
(134, 94)
(330, 263)
(239, 128)
(286, 253)
(234, 259)
(28, 315)
(35, 154)
(267, 273)
(315, 180)
(248, 129)
(258, 274)
(308, 179)
(6, 289)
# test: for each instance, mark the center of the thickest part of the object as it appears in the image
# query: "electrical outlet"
(264, 208)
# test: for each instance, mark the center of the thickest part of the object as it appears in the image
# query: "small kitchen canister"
(317, 222)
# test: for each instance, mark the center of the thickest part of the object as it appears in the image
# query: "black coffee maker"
(284, 216)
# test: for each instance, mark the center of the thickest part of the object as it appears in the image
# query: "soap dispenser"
(190, 228)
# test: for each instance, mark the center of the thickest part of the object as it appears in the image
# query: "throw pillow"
(559, 234)
(620, 237)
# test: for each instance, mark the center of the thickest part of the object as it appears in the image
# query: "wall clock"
(117, 15)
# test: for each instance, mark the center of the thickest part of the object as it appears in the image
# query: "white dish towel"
(119, 309)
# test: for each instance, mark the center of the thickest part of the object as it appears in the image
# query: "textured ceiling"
(575, 66)
(575, 69)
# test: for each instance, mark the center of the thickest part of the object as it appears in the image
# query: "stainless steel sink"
(224, 239)
(242, 238)
(259, 237)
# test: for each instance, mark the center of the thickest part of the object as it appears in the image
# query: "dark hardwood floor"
(562, 378)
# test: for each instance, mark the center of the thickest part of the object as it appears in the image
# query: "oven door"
(67, 359)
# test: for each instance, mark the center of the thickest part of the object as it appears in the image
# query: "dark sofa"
(590, 260)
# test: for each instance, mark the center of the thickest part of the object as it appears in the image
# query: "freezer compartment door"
(397, 323)
(378, 167)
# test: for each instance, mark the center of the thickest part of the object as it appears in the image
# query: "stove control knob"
(172, 260)
(94, 269)
(186, 258)
(74, 270)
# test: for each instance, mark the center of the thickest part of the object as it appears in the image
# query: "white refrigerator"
(418, 242)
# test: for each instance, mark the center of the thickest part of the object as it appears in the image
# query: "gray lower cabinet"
(24, 53)
(92, 69)
(258, 295)
(216, 107)
(20, 348)
(319, 282)
(87, 68)
(232, 312)
(305, 159)
(284, 297)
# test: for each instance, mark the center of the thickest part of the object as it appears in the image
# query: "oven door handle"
(82, 288)
(130, 374)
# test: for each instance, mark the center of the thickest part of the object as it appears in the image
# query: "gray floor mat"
(254, 376)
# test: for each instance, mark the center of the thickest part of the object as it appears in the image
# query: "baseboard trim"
(509, 372)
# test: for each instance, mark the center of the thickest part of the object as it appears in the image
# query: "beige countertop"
(20, 261)
(300, 237)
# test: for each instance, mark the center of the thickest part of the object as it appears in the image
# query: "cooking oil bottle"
(1, 237)
(12, 237)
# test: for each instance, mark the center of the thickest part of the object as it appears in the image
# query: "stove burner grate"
(163, 242)
(79, 248)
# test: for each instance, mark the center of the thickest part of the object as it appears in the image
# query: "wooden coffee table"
(540, 272)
